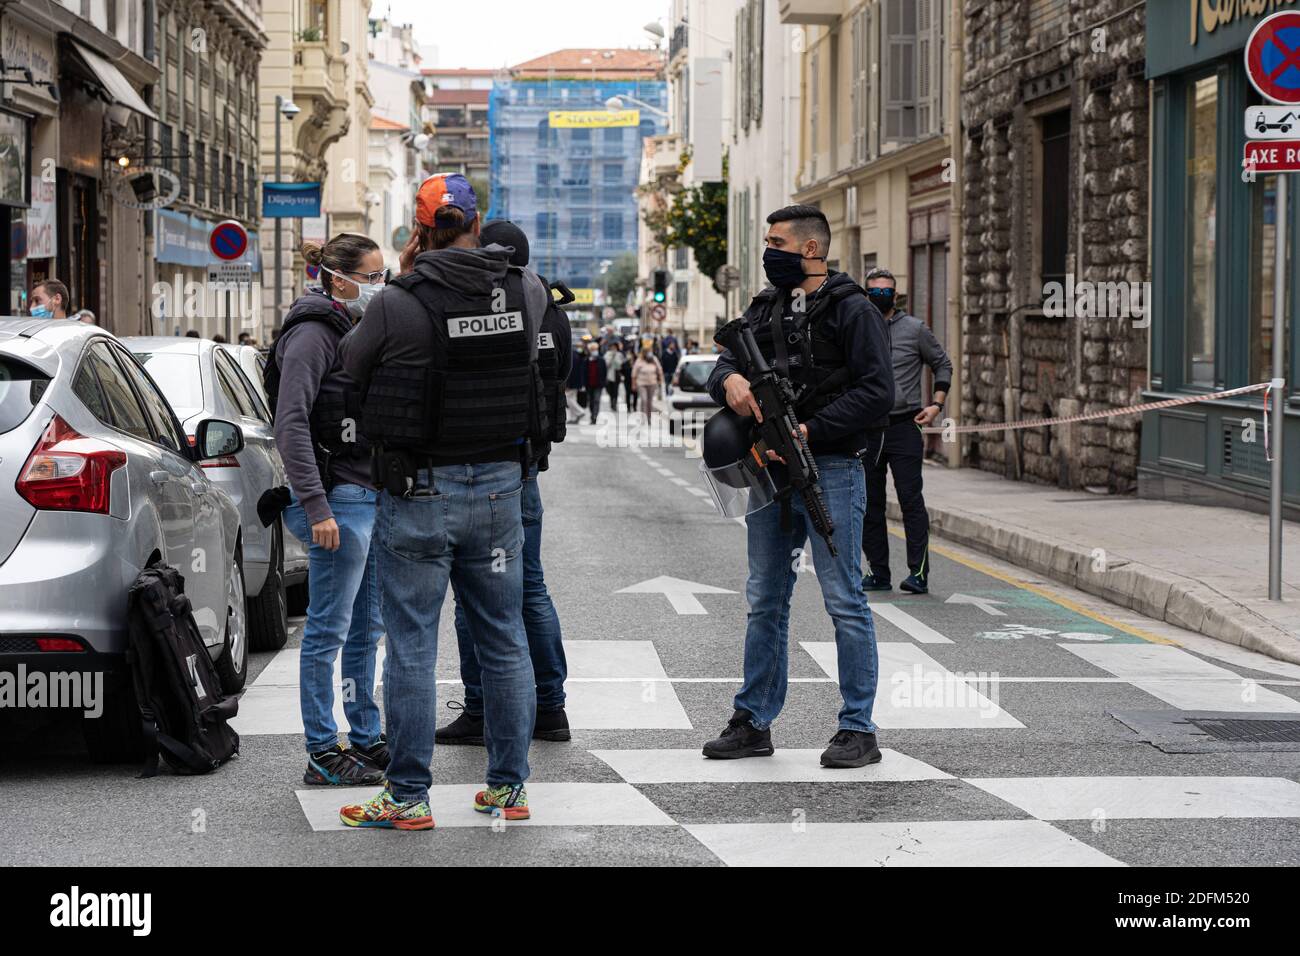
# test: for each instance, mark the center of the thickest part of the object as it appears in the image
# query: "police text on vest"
(498, 324)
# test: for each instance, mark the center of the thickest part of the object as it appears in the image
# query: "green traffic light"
(659, 297)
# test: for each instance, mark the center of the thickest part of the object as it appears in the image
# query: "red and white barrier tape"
(1110, 412)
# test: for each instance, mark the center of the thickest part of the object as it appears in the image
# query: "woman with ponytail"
(332, 508)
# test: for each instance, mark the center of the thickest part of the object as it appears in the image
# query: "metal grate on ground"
(1248, 730)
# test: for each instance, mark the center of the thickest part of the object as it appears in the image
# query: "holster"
(394, 471)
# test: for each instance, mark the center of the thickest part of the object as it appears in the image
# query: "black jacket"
(858, 328)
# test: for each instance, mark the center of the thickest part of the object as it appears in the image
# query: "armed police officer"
(541, 622)
(446, 358)
(817, 330)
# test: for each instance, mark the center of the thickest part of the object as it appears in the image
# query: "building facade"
(763, 154)
(347, 200)
(565, 168)
(456, 115)
(93, 71)
(398, 145)
(1213, 237)
(303, 64)
(207, 136)
(1054, 199)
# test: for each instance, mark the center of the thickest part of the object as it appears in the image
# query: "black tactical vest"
(335, 414)
(813, 362)
(483, 391)
(548, 363)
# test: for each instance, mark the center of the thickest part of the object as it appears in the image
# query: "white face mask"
(365, 292)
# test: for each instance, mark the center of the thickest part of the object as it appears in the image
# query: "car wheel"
(232, 665)
(116, 735)
(268, 613)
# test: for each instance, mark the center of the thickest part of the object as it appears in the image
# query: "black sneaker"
(740, 739)
(376, 754)
(552, 725)
(851, 748)
(915, 585)
(465, 729)
(877, 582)
(337, 767)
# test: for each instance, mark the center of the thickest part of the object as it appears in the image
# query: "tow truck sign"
(1272, 122)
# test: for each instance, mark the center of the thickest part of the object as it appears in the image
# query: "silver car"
(97, 481)
(202, 380)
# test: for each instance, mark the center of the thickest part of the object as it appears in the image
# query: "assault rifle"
(779, 431)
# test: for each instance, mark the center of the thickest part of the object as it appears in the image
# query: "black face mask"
(882, 299)
(785, 269)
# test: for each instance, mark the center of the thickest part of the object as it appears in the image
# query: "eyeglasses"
(374, 277)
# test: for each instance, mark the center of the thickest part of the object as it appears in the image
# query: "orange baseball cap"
(439, 192)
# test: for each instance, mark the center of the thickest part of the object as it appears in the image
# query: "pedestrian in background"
(594, 374)
(670, 360)
(615, 360)
(901, 447)
(573, 385)
(50, 299)
(332, 508)
(648, 377)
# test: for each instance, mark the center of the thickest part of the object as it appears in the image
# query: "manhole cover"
(1214, 731)
(1254, 731)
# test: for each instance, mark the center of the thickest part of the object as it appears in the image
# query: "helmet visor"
(740, 488)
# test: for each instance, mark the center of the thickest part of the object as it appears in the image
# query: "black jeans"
(899, 449)
(593, 401)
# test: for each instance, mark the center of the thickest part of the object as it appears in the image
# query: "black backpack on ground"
(183, 712)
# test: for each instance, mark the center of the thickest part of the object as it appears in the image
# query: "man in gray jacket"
(901, 447)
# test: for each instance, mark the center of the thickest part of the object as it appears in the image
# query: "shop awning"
(112, 80)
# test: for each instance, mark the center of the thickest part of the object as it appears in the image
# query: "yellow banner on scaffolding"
(584, 296)
(593, 119)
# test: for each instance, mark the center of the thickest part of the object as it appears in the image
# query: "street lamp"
(288, 109)
(615, 103)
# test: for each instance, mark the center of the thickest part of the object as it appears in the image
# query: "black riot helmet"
(503, 232)
(737, 475)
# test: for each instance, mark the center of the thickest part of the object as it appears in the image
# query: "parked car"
(252, 362)
(97, 481)
(201, 380)
(690, 403)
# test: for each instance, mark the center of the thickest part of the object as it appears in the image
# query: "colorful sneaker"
(506, 800)
(384, 811)
(337, 767)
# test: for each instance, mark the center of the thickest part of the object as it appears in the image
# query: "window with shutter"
(899, 42)
(929, 67)
(814, 67)
(871, 107)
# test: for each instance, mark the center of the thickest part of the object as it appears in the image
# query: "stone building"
(1054, 220)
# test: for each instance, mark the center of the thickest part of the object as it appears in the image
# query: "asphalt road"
(996, 703)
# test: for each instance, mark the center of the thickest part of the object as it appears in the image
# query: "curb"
(1154, 592)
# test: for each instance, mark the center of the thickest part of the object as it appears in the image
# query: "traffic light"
(661, 285)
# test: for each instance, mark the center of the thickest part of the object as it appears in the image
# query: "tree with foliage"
(696, 218)
(621, 279)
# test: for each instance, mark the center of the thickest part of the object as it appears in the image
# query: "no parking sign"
(1273, 57)
(228, 240)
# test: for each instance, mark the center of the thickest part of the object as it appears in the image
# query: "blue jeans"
(344, 612)
(469, 534)
(541, 623)
(774, 560)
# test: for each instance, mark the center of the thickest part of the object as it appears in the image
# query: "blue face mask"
(41, 312)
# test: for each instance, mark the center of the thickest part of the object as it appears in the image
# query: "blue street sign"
(290, 200)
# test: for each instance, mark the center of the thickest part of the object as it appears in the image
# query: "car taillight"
(58, 644)
(67, 471)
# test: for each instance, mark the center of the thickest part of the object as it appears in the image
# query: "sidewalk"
(1204, 569)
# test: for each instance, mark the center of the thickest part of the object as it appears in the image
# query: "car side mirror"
(215, 438)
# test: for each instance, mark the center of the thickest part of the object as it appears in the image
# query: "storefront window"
(1263, 248)
(1202, 123)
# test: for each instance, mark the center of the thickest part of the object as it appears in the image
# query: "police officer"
(554, 355)
(817, 328)
(446, 358)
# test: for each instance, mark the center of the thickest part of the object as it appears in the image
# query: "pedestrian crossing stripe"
(1163, 798)
(784, 766)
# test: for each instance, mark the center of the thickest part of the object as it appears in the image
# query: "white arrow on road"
(984, 604)
(680, 594)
